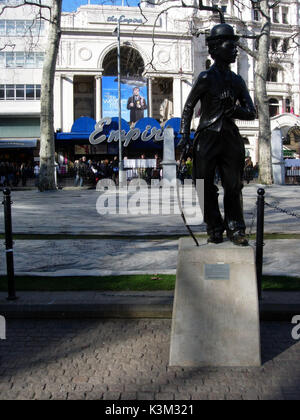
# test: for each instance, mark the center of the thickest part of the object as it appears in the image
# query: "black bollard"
(260, 238)
(9, 245)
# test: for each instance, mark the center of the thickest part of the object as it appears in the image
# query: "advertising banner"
(134, 98)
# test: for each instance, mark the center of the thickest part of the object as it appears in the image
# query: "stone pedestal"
(216, 314)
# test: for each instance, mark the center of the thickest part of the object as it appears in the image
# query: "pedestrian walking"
(248, 171)
(81, 172)
(115, 170)
(36, 171)
(23, 174)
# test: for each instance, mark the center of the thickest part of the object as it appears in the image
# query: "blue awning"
(18, 144)
(84, 126)
(72, 136)
(81, 130)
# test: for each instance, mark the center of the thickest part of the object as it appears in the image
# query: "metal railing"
(260, 238)
(9, 244)
(258, 213)
(261, 204)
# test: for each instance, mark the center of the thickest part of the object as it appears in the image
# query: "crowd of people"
(90, 172)
(185, 170)
(13, 174)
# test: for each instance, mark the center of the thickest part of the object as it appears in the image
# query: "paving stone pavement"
(128, 360)
(75, 212)
(124, 256)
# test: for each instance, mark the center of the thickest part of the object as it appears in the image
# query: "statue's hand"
(228, 102)
(186, 146)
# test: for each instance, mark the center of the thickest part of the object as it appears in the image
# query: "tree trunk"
(262, 65)
(47, 178)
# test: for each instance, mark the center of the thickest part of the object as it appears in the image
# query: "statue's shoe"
(215, 237)
(238, 238)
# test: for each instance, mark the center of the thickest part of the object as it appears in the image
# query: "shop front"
(19, 139)
(145, 137)
(74, 145)
(18, 150)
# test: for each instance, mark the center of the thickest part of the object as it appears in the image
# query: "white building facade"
(160, 46)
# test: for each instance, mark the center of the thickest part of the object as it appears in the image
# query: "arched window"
(132, 63)
(132, 69)
(273, 107)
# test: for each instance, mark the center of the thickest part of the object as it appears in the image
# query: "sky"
(72, 5)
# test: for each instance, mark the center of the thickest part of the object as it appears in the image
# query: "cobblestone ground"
(128, 360)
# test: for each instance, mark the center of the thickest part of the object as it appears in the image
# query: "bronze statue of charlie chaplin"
(218, 143)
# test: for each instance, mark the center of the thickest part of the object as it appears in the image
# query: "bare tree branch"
(25, 3)
(275, 4)
(212, 9)
(8, 45)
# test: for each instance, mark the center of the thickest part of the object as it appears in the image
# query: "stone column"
(98, 99)
(67, 102)
(57, 102)
(256, 150)
(295, 103)
(186, 86)
(177, 97)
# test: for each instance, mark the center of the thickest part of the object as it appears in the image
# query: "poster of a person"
(136, 104)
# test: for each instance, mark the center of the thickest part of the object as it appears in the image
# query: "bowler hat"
(222, 31)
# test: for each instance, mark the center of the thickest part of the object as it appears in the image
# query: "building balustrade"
(246, 124)
(279, 87)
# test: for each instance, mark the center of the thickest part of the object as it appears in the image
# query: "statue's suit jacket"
(211, 86)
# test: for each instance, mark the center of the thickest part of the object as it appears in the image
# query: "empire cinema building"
(162, 51)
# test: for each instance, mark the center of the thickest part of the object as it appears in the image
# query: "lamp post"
(121, 171)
